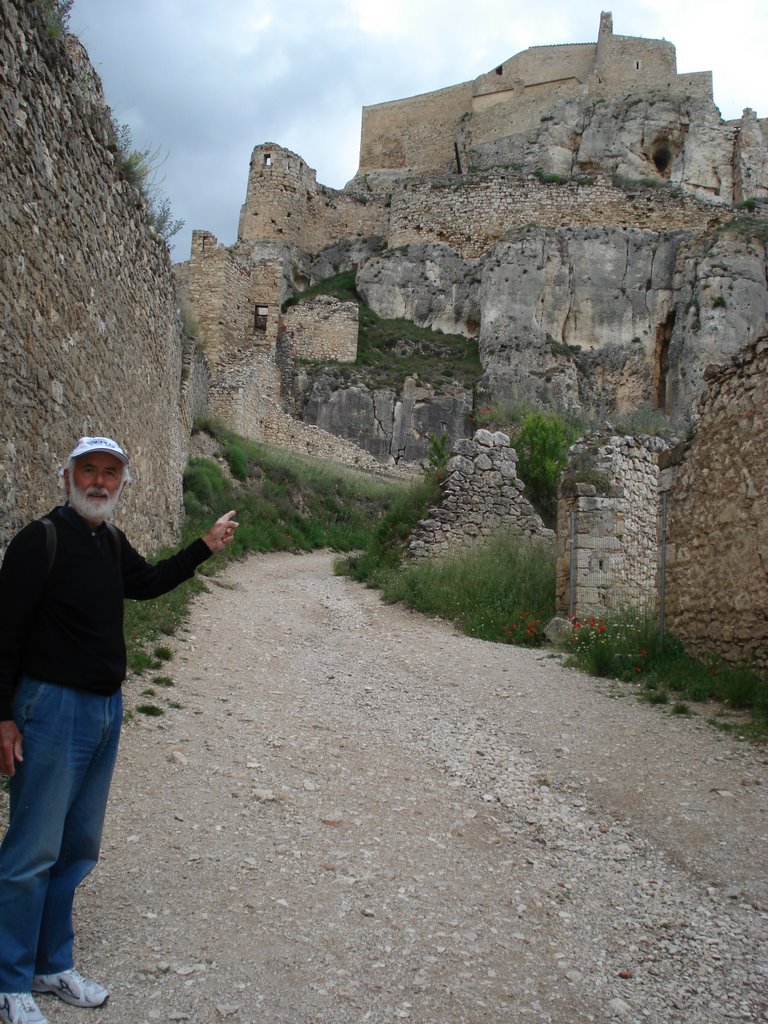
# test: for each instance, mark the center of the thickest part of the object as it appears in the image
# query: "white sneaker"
(70, 986)
(20, 1008)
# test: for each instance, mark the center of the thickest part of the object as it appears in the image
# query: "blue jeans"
(58, 800)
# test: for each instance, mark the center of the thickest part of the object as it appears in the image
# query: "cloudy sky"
(202, 82)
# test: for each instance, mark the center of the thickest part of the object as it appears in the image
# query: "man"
(62, 663)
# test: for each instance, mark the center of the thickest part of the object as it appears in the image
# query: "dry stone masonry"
(481, 496)
(324, 329)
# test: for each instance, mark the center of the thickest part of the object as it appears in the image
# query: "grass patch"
(151, 710)
(627, 647)
(501, 591)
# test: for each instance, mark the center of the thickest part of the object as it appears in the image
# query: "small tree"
(542, 447)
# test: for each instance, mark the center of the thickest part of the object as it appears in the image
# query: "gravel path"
(358, 815)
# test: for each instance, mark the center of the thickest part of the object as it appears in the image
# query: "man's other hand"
(10, 747)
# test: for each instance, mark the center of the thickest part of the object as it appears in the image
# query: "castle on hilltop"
(581, 213)
(418, 134)
(601, 138)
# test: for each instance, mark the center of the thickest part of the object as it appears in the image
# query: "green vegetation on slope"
(388, 351)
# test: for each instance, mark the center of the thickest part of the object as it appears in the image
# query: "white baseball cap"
(98, 444)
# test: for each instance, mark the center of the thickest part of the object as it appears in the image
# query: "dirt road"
(357, 815)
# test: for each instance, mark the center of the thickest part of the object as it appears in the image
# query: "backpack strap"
(114, 536)
(51, 539)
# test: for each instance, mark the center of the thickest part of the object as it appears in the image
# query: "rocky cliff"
(582, 211)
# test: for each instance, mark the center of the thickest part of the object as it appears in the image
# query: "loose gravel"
(354, 814)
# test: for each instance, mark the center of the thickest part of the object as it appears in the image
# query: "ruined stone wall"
(284, 202)
(322, 329)
(611, 563)
(219, 290)
(470, 214)
(89, 342)
(481, 495)
(195, 386)
(243, 392)
(717, 564)
(414, 133)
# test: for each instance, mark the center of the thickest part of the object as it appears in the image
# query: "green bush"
(55, 14)
(204, 485)
(237, 460)
(542, 445)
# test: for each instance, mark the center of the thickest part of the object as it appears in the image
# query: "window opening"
(260, 317)
(267, 159)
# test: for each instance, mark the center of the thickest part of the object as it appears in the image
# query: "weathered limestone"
(481, 495)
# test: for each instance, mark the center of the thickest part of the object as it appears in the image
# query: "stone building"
(417, 134)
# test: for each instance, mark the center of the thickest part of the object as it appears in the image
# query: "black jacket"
(66, 626)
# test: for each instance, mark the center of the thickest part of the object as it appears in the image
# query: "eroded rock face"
(595, 319)
(392, 425)
(428, 284)
(657, 137)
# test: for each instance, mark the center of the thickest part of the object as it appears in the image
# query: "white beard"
(90, 506)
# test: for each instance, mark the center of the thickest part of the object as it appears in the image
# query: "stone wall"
(481, 495)
(610, 560)
(90, 341)
(717, 564)
(235, 297)
(284, 202)
(414, 133)
(471, 213)
(323, 329)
